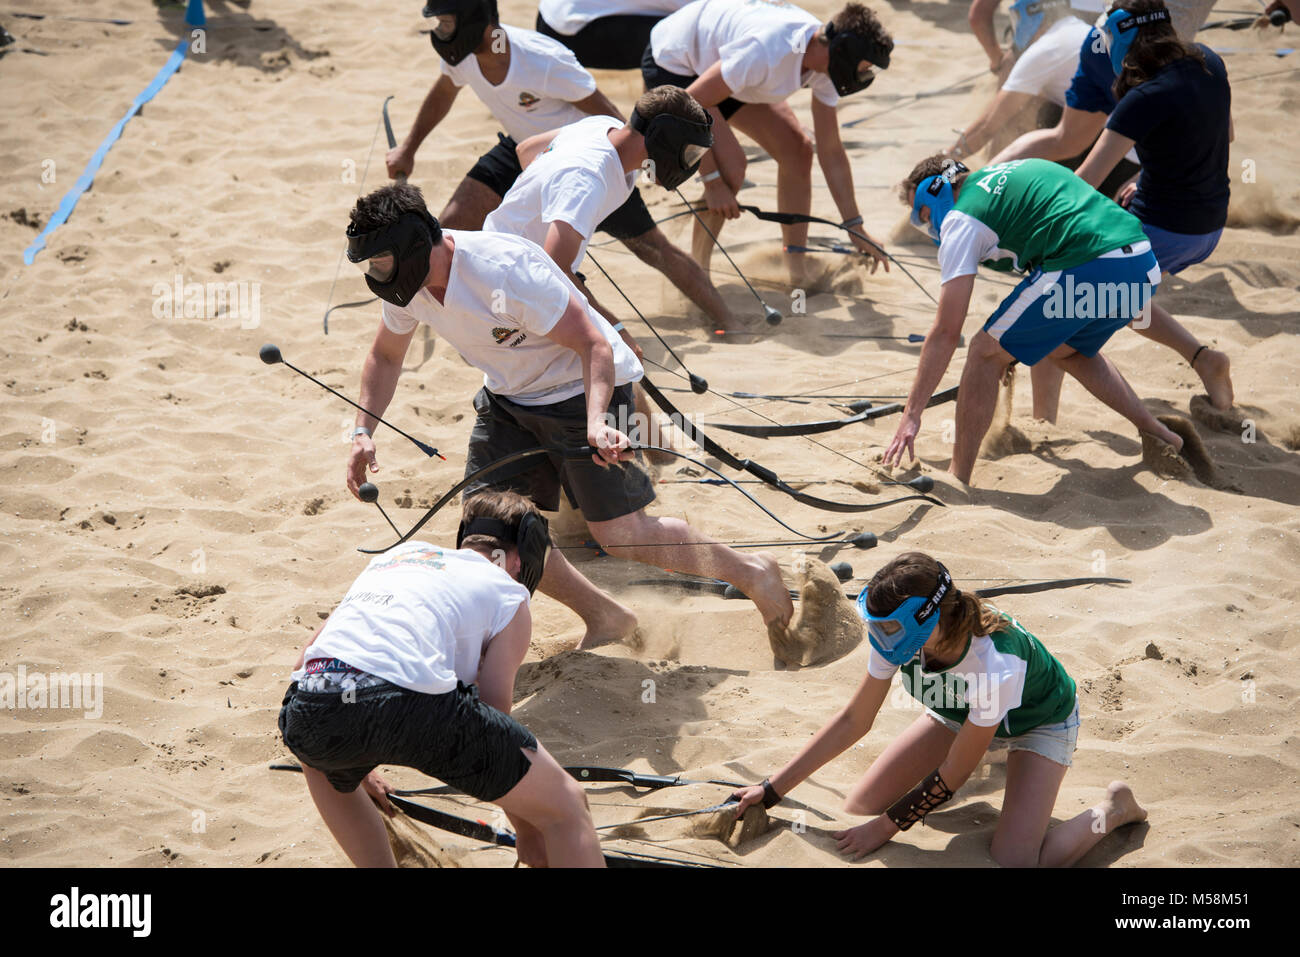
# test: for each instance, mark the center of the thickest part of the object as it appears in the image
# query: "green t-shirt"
(1007, 678)
(1030, 214)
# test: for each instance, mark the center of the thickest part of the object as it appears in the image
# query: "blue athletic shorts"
(1080, 307)
(1176, 251)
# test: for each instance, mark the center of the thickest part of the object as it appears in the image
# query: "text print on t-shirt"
(996, 180)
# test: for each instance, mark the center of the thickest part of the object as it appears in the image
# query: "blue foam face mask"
(1121, 30)
(935, 194)
(899, 635)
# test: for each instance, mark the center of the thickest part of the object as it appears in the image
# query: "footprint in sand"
(825, 625)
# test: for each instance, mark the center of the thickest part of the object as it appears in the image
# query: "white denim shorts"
(1056, 742)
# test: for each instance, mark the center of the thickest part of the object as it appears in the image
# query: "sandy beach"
(176, 520)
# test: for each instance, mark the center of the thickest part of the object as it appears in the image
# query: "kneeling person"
(416, 667)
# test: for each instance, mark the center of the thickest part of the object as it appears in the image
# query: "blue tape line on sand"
(194, 17)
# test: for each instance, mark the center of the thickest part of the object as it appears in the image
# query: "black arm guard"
(920, 801)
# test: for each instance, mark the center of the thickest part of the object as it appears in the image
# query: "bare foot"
(1121, 807)
(1166, 435)
(613, 623)
(1212, 366)
(766, 588)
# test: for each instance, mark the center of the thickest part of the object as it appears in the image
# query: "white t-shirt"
(579, 180)
(1051, 61)
(541, 85)
(421, 617)
(994, 680)
(964, 243)
(570, 16)
(761, 44)
(504, 294)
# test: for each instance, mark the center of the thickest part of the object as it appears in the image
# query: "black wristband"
(770, 798)
(920, 801)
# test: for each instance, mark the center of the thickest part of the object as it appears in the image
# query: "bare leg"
(909, 758)
(671, 543)
(775, 128)
(1211, 365)
(1022, 838)
(554, 804)
(606, 619)
(1046, 379)
(1100, 377)
(469, 205)
(654, 249)
(977, 399)
(354, 821)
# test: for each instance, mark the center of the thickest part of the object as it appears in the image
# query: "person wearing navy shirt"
(1174, 106)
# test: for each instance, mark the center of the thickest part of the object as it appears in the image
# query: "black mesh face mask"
(531, 538)
(395, 259)
(848, 51)
(675, 145)
(459, 27)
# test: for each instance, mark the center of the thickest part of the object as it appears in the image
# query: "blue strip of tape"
(194, 17)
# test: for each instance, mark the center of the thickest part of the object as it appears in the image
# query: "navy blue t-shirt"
(1093, 87)
(1179, 119)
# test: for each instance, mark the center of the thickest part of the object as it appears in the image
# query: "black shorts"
(655, 75)
(498, 168)
(453, 737)
(607, 43)
(503, 427)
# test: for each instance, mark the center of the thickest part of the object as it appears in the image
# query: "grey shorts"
(453, 737)
(1056, 742)
(503, 427)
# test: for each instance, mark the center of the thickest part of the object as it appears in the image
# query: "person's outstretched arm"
(1105, 155)
(838, 734)
(598, 104)
(378, 383)
(501, 661)
(401, 159)
(963, 758)
(980, 18)
(839, 177)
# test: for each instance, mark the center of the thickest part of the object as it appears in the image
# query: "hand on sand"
(747, 797)
(857, 842)
(873, 249)
(904, 438)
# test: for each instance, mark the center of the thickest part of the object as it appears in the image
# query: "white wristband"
(361, 430)
(850, 223)
(710, 177)
(618, 327)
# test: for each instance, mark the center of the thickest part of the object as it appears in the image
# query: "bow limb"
(829, 425)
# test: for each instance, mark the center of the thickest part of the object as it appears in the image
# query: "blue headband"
(899, 635)
(935, 194)
(1122, 28)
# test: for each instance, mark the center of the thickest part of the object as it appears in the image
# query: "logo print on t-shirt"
(527, 99)
(501, 334)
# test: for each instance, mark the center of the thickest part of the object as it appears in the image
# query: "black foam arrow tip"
(270, 354)
(368, 492)
(922, 483)
(859, 405)
(771, 315)
(863, 540)
(843, 571)
(698, 385)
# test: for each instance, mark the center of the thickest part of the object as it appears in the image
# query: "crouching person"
(416, 667)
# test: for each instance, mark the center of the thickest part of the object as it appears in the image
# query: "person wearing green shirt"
(985, 682)
(1089, 271)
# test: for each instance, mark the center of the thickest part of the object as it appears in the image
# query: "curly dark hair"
(386, 205)
(1155, 47)
(855, 18)
(930, 166)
